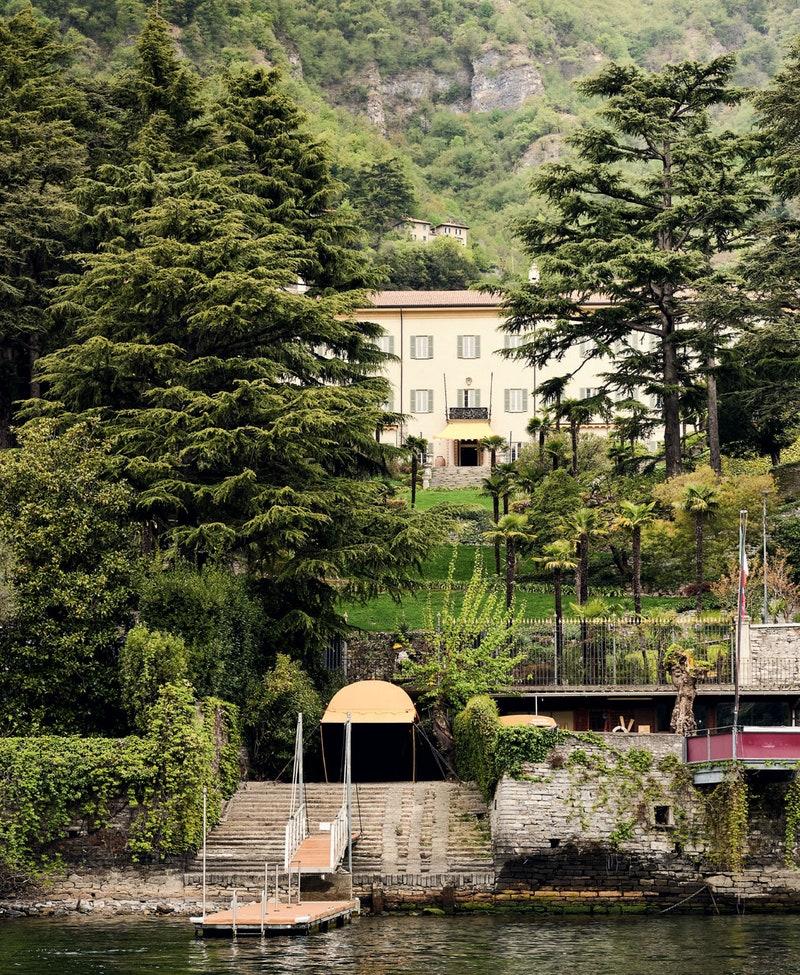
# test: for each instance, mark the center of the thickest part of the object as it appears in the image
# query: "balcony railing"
(619, 653)
(468, 413)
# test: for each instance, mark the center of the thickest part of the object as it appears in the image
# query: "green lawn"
(383, 614)
(427, 499)
(437, 565)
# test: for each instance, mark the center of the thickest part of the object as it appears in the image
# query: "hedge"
(48, 783)
(487, 750)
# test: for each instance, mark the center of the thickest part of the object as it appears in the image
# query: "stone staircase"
(458, 477)
(405, 828)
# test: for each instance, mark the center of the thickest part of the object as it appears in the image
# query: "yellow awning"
(529, 720)
(371, 702)
(466, 430)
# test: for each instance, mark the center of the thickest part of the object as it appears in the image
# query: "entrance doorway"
(468, 453)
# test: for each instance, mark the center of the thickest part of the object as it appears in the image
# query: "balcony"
(468, 413)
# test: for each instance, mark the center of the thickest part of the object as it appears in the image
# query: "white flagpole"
(739, 614)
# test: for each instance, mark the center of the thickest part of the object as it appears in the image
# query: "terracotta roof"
(435, 299)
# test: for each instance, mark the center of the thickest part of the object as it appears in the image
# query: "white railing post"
(205, 833)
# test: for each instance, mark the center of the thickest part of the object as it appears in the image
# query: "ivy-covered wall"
(149, 787)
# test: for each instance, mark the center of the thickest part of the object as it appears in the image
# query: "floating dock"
(302, 918)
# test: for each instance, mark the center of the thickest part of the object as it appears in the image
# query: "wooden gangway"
(320, 851)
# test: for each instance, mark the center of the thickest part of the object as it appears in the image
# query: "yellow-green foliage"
(669, 542)
(149, 659)
(48, 782)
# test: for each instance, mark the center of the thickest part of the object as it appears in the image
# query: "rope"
(439, 758)
(678, 904)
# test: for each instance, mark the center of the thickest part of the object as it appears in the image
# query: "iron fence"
(619, 652)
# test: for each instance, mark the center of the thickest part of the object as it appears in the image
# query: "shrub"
(49, 782)
(221, 622)
(149, 659)
(475, 730)
(272, 711)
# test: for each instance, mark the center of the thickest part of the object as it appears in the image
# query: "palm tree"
(493, 485)
(552, 392)
(537, 428)
(493, 444)
(515, 532)
(508, 477)
(558, 558)
(577, 412)
(700, 502)
(633, 517)
(584, 525)
(417, 447)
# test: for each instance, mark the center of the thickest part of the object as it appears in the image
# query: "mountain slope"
(469, 93)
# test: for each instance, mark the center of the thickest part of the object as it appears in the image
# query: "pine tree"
(246, 408)
(40, 156)
(637, 219)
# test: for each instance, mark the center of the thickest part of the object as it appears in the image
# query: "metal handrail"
(296, 831)
(339, 837)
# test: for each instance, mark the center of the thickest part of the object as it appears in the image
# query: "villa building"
(450, 379)
(423, 231)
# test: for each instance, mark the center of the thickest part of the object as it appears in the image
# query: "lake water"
(418, 946)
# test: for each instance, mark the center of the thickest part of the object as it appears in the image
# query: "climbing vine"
(726, 820)
(152, 784)
(792, 821)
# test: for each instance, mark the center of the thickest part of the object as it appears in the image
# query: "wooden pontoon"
(276, 918)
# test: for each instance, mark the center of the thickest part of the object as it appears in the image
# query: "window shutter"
(390, 402)
(430, 346)
(459, 397)
(524, 400)
(507, 400)
(506, 341)
(477, 398)
(430, 401)
(460, 346)
(477, 346)
(391, 345)
(413, 398)
(413, 347)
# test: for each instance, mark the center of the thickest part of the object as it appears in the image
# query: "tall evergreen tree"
(636, 220)
(40, 156)
(246, 408)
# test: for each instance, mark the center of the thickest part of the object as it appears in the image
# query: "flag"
(744, 570)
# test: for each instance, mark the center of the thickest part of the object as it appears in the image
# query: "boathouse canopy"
(529, 720)
(371, 702)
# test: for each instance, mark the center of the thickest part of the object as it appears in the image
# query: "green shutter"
(477, 346)
(524, 400)
(412, 347)
(413, 400)
(430, 346)
(460, 346)
(477, 397)
(391, 345)
(507, 400)
(430, 401)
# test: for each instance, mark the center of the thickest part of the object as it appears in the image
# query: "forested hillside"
(467, 95)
